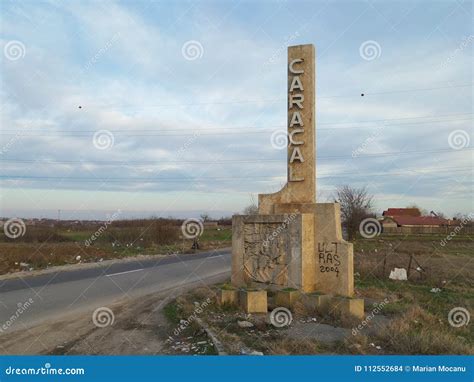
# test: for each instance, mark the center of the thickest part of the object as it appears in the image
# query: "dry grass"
(36, 234)
(358, 344)
(419, 332)
(451, 263)
(288, 346)
(59, 243)
(46, 255)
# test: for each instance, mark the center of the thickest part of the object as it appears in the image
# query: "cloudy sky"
(168, 107)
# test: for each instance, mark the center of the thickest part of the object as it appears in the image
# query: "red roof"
(402, 212)
(419, 220)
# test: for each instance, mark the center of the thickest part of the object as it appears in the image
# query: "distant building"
(414, 221)
(401, 212)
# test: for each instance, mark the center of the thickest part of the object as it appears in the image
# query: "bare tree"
(205, 217)
(356, 204)
(466, 219)
(423, 211)
(251, 209)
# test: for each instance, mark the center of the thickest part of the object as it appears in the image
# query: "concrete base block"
(287, 298)
(253, 301)
(320, 302)
(349, 306)
(228, 296)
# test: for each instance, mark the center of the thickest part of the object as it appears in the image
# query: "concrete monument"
(295, 242)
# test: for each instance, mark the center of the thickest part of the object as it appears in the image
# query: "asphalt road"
(72, 291)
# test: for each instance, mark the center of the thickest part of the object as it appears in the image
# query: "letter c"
(292, 140)
(295, 61)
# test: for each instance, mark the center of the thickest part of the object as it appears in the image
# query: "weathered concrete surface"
(273, 250)
(301, 186)
(253, 301)
(228, 296)
(349, 307)
(287, 298)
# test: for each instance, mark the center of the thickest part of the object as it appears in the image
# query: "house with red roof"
(410, 217)
(414, 221)
(401, 212)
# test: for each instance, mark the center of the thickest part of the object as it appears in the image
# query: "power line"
(256, 160)
(196, 131)
(181, 179)
(274, 100)
(397, 119)
(329, 123)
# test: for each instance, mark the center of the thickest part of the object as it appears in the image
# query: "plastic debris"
(245, 324)
(398, 274)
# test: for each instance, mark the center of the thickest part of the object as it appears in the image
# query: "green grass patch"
(227, 286)
(76, 235)
(216, 234)
(171, 312)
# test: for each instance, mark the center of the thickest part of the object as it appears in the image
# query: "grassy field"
(46, 245)
(415, 314)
